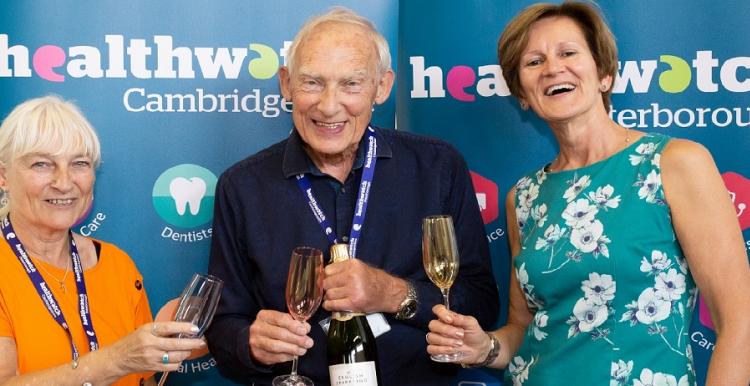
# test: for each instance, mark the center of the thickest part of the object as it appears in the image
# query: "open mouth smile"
(558, 89)
(61, 201)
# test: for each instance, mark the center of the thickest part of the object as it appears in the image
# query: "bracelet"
(74, 365)
(491, 355)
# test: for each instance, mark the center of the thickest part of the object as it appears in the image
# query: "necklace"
(61, 282)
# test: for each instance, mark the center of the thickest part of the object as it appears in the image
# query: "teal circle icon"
(184, 195)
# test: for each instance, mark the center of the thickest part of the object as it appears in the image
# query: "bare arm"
(706, 226)
(511, 335)
(453, 332)
(141, 351)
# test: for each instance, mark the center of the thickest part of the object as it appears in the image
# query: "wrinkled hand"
(275, 337)
(143, 349)
(451, 333)
(353, 285)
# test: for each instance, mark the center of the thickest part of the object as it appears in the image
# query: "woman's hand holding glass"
(143, 350)
(440, 258)
(197, 306)
(456, 334)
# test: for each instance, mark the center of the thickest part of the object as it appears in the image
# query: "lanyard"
(363, 196)
(46, 295)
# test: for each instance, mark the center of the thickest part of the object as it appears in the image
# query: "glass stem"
(294, 365)
(446, 298)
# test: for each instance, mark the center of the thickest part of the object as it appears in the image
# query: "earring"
(3, 198)
(524, 104)
(603, 87)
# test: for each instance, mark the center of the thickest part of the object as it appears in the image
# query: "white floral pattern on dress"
(620, 373)
(650, 378)
(519, 369)
(644, 152)
(603, 199)
(577, 187)
(593, 309)
(581, 229)
(532, 302)
(569, 217)
(659, 262)
(663, 300)
(540, 321)
(649, 187)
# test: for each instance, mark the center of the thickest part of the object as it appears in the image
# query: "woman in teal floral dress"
(610, 238)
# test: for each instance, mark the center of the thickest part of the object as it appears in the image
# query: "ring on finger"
(165, 358)
(427, 337)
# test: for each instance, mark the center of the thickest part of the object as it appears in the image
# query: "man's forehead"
(305, 71)
(337, 34)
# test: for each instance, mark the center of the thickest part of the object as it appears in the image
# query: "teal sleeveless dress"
(604, 275)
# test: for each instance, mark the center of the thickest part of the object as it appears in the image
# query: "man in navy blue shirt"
(273, 201)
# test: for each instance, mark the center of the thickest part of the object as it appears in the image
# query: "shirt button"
(343, 190)
(345, 239)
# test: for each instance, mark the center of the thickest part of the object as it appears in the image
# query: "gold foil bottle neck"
(339, 252)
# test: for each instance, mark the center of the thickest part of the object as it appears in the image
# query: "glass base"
(292, 380)
(447, 358)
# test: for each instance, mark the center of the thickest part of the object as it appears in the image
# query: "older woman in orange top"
(73, 310)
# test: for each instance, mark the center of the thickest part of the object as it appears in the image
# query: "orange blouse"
(117, 301)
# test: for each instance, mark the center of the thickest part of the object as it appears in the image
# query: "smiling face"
(334, 87)
(559, 78)
(48, 192)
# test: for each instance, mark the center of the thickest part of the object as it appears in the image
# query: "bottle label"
(359, 374)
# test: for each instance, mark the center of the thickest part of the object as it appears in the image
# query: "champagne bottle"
(352, 355)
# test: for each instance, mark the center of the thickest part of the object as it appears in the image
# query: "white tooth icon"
(187, 192)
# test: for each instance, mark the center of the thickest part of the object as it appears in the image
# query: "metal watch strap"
(491, 355)
(408, 307)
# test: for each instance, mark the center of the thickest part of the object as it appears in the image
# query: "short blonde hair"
(343, 15)
(44, 123)
(586, 15)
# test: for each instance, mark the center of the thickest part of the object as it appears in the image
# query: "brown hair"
(586, 15)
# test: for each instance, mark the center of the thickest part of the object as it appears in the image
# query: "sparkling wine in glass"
(197, 305)
(440, 259)
(304, 291)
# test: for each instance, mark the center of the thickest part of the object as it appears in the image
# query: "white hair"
(344, 16)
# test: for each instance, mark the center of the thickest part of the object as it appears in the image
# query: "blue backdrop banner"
(179, 91)
(683, 71)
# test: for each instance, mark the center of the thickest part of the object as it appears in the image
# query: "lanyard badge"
(46, 295)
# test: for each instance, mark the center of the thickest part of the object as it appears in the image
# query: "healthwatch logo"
(184, 197)
(487, 197)
(739, 191)
(141, 61)
(704, 72)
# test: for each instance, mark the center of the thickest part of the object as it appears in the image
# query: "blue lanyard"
(46, 295)
(363, 195)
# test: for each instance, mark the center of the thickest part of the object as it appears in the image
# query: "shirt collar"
(296, 160)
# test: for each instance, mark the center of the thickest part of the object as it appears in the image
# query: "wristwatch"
(408, 308)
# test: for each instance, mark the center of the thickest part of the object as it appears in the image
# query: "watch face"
(408, 311)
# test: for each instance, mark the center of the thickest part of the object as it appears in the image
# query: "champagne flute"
(197, 305)
(304, 291)
(440, 259)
